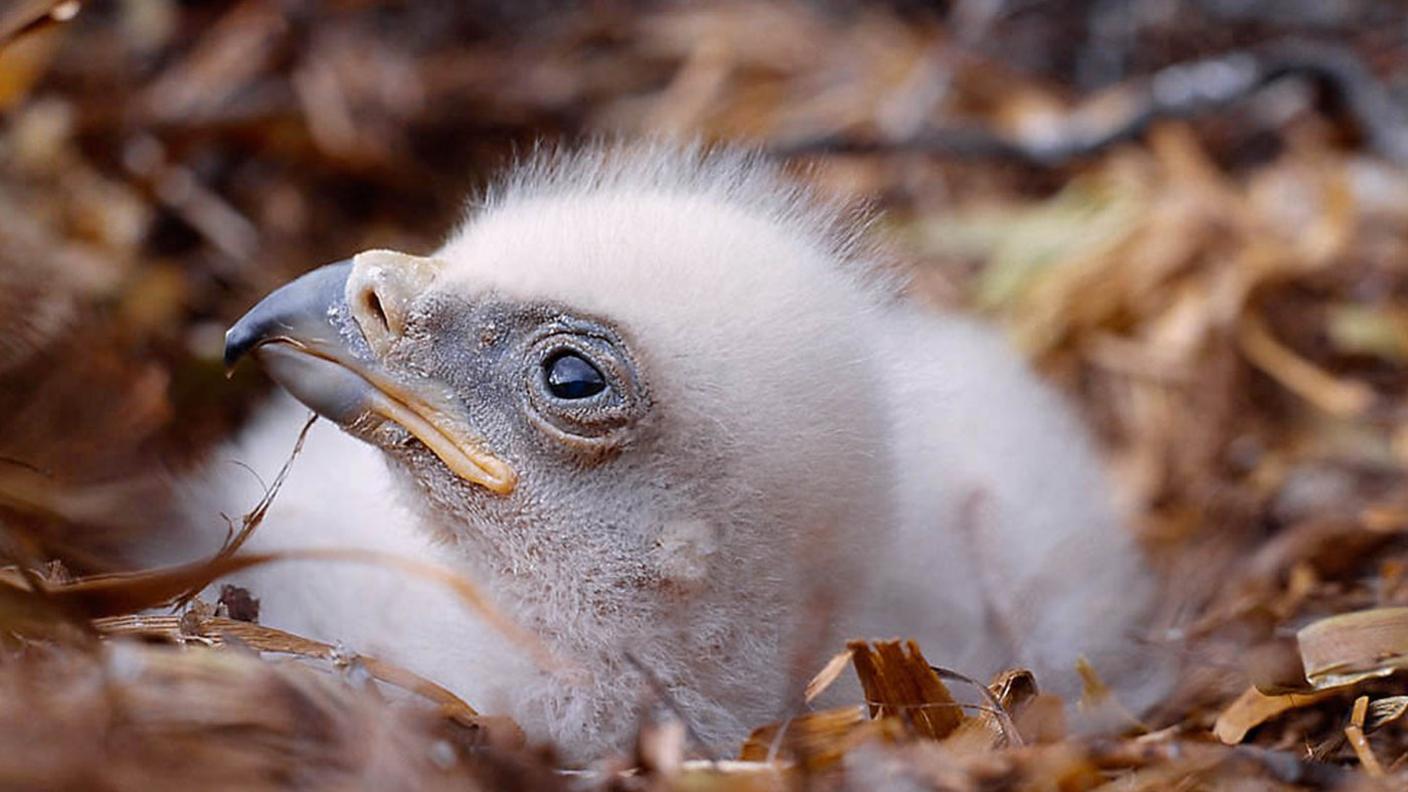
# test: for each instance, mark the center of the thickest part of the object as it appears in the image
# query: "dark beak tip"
(239, 340)
(297, 309)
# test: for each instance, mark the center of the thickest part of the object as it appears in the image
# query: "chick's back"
(1008, 549)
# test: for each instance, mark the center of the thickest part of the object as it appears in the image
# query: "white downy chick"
(658, 404)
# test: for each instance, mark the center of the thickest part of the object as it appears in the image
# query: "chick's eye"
(570, 376)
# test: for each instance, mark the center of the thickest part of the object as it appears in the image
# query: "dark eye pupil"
(572, 377)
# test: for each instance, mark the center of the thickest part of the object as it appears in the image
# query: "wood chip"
(1352, 647)
(817, 741)
(900, 683)
(828, 675)
(1253, 708)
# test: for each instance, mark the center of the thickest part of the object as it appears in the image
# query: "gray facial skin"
(479, 371)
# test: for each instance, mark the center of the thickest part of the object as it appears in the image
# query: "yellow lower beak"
(453, 444)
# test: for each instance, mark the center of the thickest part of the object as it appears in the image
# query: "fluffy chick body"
(821, 461)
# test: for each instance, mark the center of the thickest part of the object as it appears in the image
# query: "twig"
(1339, 397)
(125, 592)
(1182, 90)
(1004, 719)
(260, 638)
(234, 540)
(1355, 732)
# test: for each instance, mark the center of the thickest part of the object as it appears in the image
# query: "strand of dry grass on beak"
(254, 517)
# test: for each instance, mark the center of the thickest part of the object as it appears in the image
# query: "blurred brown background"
(1193, 214)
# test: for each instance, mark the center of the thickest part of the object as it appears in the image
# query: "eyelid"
(594, 424)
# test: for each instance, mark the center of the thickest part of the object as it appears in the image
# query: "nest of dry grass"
(1203, 239)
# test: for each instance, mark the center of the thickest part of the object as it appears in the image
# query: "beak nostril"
(373, 304)
(380, 290)
(376, 312)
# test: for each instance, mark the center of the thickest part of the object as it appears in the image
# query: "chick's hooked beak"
(323, 336)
